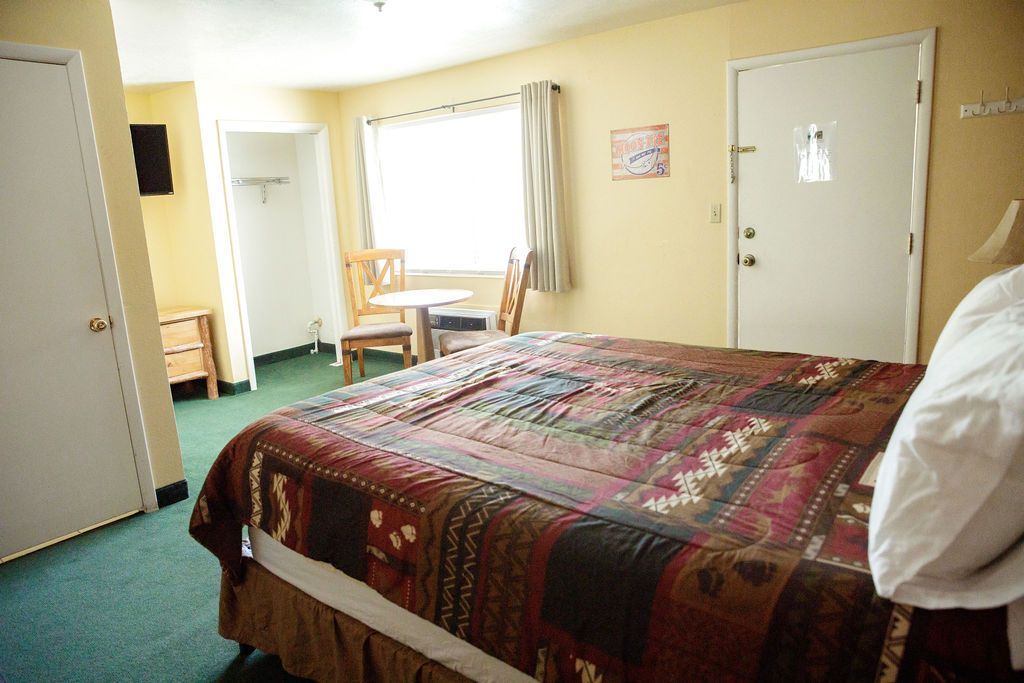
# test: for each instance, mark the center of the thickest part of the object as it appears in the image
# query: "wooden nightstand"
(187, 349)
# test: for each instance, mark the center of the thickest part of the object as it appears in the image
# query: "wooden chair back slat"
(371, 272)
(513, 293)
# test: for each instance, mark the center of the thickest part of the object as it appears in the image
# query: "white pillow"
(988, 297)
(947, 520)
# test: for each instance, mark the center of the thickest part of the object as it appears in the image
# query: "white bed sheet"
(345, 594)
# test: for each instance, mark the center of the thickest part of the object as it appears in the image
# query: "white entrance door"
(824, 203)
(66, 458)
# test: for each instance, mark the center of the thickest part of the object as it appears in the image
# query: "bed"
(576, 507)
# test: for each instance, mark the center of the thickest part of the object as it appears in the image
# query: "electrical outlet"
(715, 213)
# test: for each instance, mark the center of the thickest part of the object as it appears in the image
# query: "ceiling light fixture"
(379, 4)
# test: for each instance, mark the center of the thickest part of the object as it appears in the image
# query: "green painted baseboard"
(172, 493)
(294, 352)
(230, 389)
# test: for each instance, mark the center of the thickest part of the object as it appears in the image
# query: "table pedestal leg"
(424, 340)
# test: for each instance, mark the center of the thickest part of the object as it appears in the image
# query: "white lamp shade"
(1006, 244)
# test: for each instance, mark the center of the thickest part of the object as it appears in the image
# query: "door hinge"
(919, 92)
(910, 243)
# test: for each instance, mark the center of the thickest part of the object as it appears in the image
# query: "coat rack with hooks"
(983, 108)
(262, 182)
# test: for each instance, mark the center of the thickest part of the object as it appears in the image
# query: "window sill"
(460, 273)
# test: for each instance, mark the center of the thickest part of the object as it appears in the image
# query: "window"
(453, 190)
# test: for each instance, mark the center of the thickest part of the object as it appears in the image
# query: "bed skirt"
(314, 640)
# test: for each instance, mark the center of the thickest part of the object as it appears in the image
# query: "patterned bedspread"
(594, 508)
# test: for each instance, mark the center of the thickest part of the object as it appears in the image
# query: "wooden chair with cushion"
(371, 272)
(517, 277)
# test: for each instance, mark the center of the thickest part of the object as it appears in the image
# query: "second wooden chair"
(517, 277)
(371, 272)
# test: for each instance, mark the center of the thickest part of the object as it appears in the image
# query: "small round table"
(422, 300)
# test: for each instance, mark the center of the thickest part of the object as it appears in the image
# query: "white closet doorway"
(284, 239)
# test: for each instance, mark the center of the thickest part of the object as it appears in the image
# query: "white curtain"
(543, 198)
(368, 185)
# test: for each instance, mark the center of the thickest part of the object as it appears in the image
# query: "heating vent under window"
(459, 319)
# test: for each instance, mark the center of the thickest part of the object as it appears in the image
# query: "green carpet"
(137, 600)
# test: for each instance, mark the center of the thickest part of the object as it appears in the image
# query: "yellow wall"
(86, 25)
(179, 227)
(159, 231)
(188, 235)
(647, 263)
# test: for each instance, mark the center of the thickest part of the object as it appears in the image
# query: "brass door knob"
(748, 260)
(97, 324)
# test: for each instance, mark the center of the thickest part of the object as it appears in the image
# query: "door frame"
(329, 222)
(925, 40)
(71, 60)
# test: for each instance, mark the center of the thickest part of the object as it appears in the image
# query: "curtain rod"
(554, 86)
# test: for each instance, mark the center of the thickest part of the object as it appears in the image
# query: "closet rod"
(554, 86)
(273, 180)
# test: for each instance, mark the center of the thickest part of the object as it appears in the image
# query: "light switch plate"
(715, 213)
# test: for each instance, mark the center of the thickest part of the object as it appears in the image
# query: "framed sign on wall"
(640, 152)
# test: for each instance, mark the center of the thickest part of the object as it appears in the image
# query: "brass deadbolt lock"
(749, 233)
(97, 324)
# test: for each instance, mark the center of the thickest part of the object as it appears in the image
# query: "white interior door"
(66, 457)
(830, 261)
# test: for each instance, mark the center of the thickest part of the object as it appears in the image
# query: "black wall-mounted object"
(152, 159)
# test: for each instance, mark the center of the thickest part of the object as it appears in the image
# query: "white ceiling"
(335, 44)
